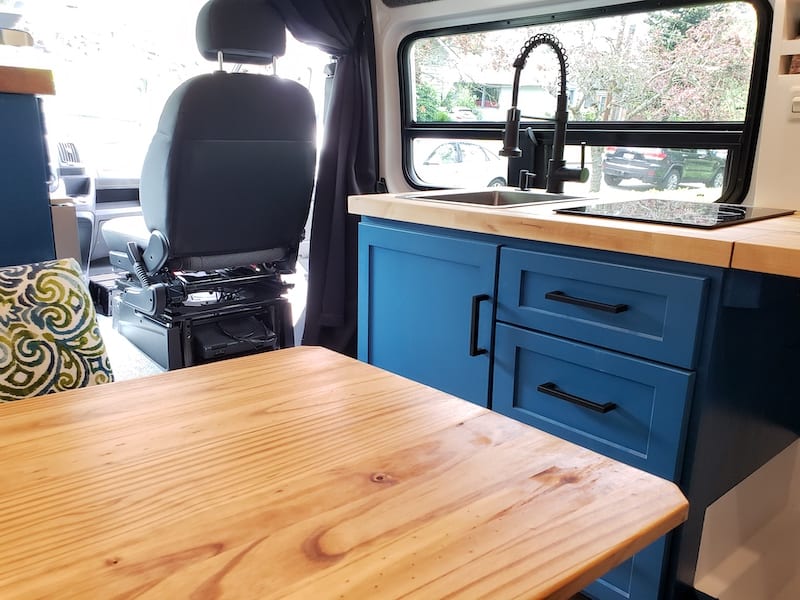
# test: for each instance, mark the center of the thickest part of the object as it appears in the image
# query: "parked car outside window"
(664, 168)
(458, 163)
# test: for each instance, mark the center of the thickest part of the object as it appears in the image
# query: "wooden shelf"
(790, 47)
(26, 80)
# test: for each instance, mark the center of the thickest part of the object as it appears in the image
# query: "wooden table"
(305, 474)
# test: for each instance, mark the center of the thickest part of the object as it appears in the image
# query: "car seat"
(225, 192)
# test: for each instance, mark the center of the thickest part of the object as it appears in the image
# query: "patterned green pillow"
(49, 339)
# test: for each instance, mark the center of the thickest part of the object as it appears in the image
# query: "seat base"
(209, 316)
(208, 336)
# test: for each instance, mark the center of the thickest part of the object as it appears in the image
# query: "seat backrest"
(230, 171)
(49, 339)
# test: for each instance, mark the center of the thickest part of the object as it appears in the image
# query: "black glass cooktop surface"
(677, 212)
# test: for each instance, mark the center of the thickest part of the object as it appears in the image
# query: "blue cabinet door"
(426, 307)
(27, 230)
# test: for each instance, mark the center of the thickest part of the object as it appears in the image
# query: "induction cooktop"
(707, 215)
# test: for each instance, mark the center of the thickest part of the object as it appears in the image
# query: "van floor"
(128, 362)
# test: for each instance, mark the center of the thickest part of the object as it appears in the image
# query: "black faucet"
(557, 172)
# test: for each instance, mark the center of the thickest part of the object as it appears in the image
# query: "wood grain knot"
(382, 478)
(325, 546)
(555, 476)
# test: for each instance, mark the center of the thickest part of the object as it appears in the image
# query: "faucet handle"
(583, 172)
(562, 173)
(526, 180)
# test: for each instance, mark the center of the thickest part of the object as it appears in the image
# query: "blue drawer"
(644, 429)
(643, 312)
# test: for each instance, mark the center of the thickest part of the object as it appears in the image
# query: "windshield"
(115, 63)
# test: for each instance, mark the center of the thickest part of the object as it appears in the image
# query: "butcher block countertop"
(304, 474)
(768, 246)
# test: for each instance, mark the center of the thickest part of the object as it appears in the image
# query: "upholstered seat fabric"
(231, 168)
(49, 339)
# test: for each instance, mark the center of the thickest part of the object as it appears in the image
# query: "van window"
(665, 102)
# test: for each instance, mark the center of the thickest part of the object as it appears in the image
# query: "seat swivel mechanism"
(151, 298)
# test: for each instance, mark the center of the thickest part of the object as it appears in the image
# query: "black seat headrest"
(246, 31)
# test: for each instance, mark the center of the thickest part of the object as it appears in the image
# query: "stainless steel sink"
(496, 198)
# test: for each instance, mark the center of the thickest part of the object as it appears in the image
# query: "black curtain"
(348, 162)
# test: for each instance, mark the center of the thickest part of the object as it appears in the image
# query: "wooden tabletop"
(767, 246)
(304, 474)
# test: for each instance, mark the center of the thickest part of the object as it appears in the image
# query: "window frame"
(738, 138)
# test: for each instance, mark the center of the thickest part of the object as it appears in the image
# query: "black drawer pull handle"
(550, 389)
(562, 297)
(473, 326)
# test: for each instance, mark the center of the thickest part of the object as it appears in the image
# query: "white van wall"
(778, 156)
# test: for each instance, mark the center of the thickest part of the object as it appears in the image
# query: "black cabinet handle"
(562, 297)
(473, 326)
(550, 389)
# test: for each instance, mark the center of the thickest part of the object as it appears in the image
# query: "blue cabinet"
(600, 353)
(596, 352)
(425, 308)
(686, 371)
(27, 234)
